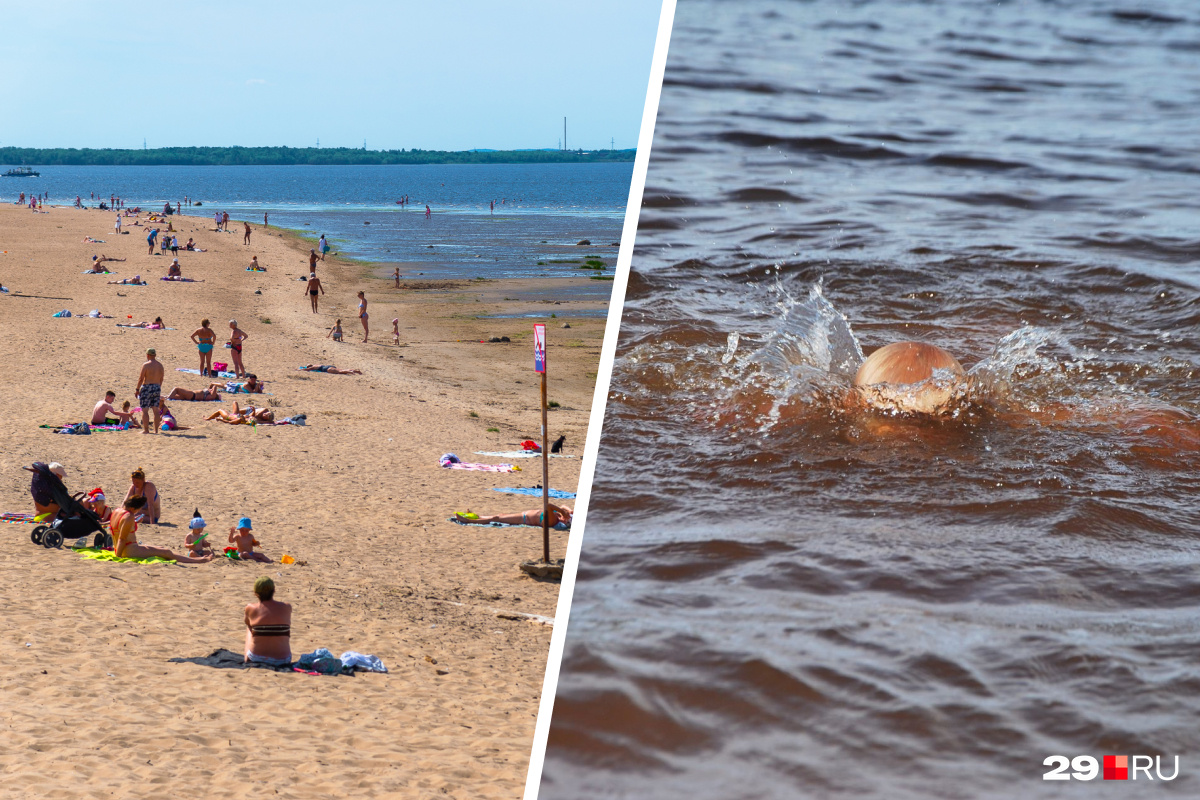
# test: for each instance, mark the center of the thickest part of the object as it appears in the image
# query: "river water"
(541, 211)
(782, 595)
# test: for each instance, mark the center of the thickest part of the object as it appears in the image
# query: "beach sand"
(91, 705)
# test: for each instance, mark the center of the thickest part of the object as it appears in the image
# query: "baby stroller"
(74, 521)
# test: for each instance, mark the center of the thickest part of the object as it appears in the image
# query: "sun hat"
(197, 522)
(244, 522)
(58, 469)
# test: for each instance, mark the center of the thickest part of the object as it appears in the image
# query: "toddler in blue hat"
(242, 537)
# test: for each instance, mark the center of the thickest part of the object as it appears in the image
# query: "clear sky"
(437, 75)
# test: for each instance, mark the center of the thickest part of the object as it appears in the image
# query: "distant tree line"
(284, 156)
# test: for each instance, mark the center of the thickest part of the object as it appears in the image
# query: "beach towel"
(17, 518)
(227, 659)
(561, 495)
(107, 555)
(221, 374)
(518, 454)
(178, 280)
(143, 327)
(451, 461)
(90, 272)
(92, 428)
(558, 526)
(483, 467)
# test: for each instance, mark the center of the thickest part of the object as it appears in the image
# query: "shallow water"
(542, 210)
(783, 595)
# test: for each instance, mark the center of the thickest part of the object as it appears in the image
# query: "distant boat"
(22, 172)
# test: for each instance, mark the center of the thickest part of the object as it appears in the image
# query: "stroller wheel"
(98, 542)
(52, 539)
(108, 542)
(38, 533)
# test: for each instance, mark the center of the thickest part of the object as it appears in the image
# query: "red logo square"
(1116, 768)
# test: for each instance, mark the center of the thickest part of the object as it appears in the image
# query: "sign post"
(539, 365)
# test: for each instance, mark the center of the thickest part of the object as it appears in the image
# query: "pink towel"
(481, 467)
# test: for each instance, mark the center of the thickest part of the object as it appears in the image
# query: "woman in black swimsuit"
(314, 285)
(268, 627)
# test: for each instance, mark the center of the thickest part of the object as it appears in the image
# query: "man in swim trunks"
(149, 390)
(331, 369)
(314, 285)
(100, 414)
(204, 337)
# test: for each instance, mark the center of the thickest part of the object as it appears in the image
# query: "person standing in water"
(204, 338)
(314, 285)
(236, 337)
(362, 315)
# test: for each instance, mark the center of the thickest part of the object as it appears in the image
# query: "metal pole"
(545, 478)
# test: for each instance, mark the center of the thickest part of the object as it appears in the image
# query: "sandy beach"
(91, 704)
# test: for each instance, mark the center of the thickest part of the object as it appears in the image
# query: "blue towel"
(556, 493)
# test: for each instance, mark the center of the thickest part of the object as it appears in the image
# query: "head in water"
(900, 377)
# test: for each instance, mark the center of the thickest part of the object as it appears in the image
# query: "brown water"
(781, 595)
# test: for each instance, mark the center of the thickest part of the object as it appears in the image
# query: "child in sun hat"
(196, 540)
(242, 537)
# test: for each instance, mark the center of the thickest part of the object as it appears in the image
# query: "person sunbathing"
(532, 517)
(331, 369)
(212, 392)
(242, 537)
(243, 416)
(140, 487)
(252, 385)
(169, 423)
(157, 325)
(268, 627)
(136, 280)
(124, 533)
(254, 267)
(175, 271)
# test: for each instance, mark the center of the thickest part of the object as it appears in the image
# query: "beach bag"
(220, 366)
(63, 313)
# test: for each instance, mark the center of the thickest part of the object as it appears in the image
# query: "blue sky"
(433, 75)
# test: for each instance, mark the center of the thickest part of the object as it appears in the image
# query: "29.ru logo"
(1116, 768)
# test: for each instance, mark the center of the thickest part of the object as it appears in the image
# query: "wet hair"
(110, 391)
(139, 474)
(905, 363)
(264, 587)
(204, 323)
(134, 503)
